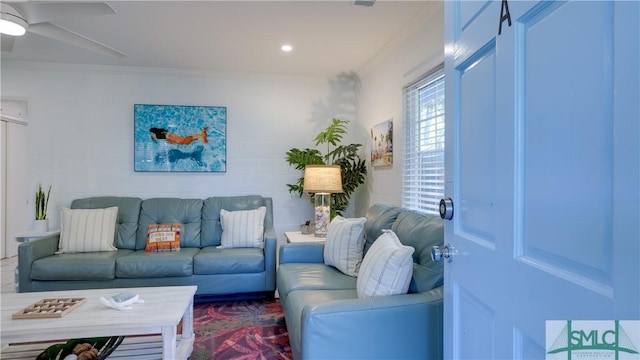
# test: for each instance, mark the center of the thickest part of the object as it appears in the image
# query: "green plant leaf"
(60, 351)
(110, 347)
(51, 353)
(347, 156)
(42, 202)
(301, 158)
(333, 134)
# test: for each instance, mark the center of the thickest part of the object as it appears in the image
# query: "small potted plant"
(41, 223)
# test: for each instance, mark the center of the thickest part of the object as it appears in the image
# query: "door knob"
(446, 209)
(446, 252)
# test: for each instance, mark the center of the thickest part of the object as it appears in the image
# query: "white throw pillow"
(386, 269)
(243, 228)
(344, 245)
(87, 230)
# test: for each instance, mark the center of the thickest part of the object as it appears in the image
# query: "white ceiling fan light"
(11, 22)
(37, 16)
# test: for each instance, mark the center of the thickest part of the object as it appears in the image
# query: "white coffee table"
(161, 312)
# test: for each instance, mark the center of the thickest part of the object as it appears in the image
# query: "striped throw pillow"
(87, 230)
(344, 245)
(242, 228)
(386, 269)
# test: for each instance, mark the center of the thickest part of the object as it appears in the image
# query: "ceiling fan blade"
(61, 34)
(37, 12)
(6, 42)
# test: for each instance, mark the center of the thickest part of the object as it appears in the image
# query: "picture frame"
(382, 144)
(180, 138)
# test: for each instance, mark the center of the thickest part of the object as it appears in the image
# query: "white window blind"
(423, 168)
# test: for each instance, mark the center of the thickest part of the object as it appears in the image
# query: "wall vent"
(364, 2)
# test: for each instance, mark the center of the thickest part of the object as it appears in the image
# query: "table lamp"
(322, 181)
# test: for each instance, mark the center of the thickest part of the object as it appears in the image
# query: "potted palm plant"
(41, 223)
(353, 167)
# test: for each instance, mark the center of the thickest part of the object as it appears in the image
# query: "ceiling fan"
(37, 16)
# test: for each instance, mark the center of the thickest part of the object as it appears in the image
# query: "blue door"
(542, 164)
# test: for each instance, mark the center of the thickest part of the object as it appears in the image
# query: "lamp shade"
(322, 179)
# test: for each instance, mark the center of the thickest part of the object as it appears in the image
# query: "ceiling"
(328, 37)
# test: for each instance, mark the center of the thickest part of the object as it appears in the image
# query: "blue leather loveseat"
(216, 271)
(326, 319)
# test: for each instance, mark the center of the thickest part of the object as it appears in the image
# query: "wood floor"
(7, 268)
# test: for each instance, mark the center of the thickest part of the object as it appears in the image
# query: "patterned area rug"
(242, 329)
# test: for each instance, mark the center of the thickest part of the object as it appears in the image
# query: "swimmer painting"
(176, 138)
(174, 155)
(162, 134)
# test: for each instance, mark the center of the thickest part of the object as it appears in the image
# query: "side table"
(33, 235)
(28, 236)
(298, 237)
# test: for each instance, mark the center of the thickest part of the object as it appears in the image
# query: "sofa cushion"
(211, 227)
(128, 213)
(87, 230)
(243, 228)
(163, 237)
(379, 217)
(416, 230)
(187, 212)
(212, 260)
(311, 276)
(343, 247)
(296, 303)
(85, 266)
(142, 264)
(421, 232)
(425, 278)
(386, 269)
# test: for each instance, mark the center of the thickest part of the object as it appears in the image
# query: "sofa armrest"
(400, 327)
(302, 253)
(270, 246)
(31, 251)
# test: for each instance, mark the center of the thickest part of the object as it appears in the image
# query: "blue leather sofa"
(326, 319)
(199, 262)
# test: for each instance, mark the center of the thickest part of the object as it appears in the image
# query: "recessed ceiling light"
(286, 48)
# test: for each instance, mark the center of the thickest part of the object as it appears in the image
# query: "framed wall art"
(178, 138)
(382, 144)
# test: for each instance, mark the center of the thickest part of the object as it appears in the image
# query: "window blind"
(423, 167)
